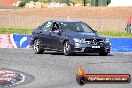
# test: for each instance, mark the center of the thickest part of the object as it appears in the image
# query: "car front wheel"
(67, 48)
(36, 47)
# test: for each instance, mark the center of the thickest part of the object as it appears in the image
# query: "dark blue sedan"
(68, 37)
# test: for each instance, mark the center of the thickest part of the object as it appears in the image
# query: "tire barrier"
(23, 41)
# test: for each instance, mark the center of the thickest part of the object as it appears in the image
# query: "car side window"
(47, 26)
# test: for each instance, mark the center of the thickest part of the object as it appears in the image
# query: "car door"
(44, 35)
(55, 36)
(36, 32)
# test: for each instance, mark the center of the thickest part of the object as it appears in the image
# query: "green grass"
(115, 34)
(112, 34)
(15, 30)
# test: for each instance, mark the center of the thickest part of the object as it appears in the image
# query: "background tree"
(23, 2)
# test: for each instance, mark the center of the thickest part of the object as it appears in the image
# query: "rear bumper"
(87, 48)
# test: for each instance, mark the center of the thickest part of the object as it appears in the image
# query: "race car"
(69, 37)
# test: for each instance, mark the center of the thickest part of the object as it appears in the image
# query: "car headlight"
(79, 40)
(107, 40)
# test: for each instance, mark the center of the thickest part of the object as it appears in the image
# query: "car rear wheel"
(103, 53)
(36, 47)
(67, 48)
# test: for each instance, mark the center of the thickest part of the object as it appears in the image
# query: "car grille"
(91, 50)
(93, 41)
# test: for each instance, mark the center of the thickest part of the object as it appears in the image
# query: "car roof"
(65, 21)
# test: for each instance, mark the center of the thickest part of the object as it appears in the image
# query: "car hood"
(83, 35)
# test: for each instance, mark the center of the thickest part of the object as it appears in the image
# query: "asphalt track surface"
(53, 70)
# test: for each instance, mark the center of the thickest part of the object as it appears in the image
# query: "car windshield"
(76, 27)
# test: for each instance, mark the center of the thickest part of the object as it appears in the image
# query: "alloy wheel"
(36, 45)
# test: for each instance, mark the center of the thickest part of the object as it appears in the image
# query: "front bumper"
(31, 42)
(88, 48)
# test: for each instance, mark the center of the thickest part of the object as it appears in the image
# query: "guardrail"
(23, 41)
